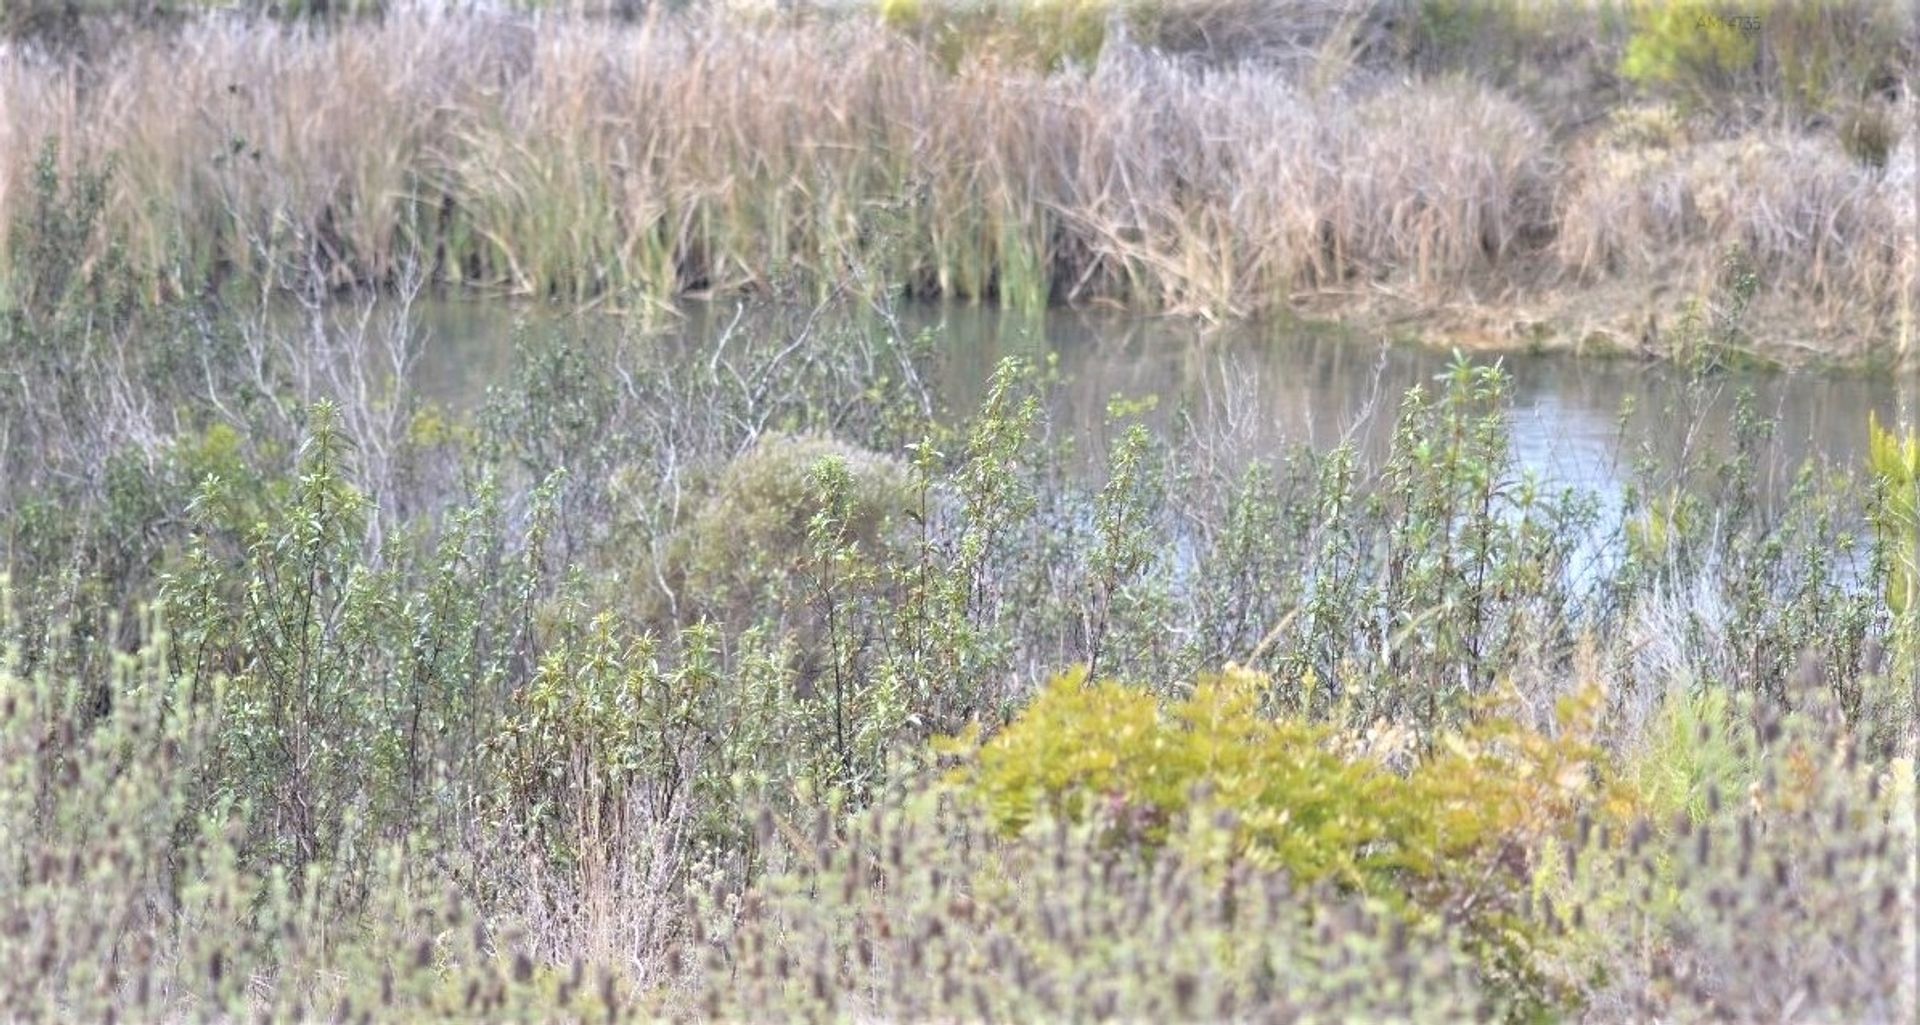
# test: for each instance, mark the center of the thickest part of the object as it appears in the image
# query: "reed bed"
(712, 152)
(1798, 211)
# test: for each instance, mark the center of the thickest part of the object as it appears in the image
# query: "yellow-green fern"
(1894, 457)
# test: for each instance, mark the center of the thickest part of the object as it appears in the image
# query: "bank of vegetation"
(1491, 173)
(749, 683)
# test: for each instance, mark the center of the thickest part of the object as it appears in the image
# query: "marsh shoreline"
(1394, 182)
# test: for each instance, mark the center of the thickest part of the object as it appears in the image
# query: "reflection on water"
(1575, 422)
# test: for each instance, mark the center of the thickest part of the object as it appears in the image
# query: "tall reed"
(708, 152)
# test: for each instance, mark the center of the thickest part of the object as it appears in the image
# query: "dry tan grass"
(560, 156)
(1806, 218)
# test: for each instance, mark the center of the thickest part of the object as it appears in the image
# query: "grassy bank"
(1488, 173)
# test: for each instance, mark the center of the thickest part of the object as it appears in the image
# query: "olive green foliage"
(1504, 37)
(1870, 133)
(1894, 459)
(319, 699)
(127, 896)
(1450, 477)
(1806, 56)
(1788, 612)
(1048, 35)
(59, 21)
(1690, 761)
(1285, 796)
(59, 248)
(91, 24)
(760, 518)
(1082, 748)
(1700, 45)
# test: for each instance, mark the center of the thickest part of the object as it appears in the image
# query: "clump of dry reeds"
(560, 156)
(1799, 212)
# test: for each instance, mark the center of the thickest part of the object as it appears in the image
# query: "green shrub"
(1894, 459)
(754, 530)
(59, 251)
(1690, 761)
(1445, 838)
(1806, 56)
(1104, 748)
(1044, 35)
(1492, 36)
(1697, 48)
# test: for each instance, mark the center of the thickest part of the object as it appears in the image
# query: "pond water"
(1576, 421)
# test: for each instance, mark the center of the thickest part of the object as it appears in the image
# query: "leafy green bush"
(127, 890)
(1690, 761)
(1451, 833)
(1698, 48)
(1082, 749)
(1495, 35)
(1894, 460)
(754, 529)
(1805, 56)
(59, 251)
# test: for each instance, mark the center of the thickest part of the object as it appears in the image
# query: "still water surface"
(1578, 422)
